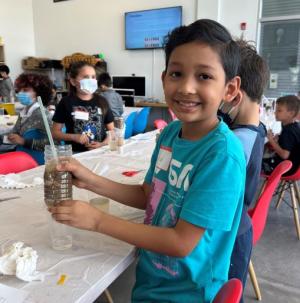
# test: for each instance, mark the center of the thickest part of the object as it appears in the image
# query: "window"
(280, 45)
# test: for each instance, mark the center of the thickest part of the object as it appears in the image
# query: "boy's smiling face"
(194, 84)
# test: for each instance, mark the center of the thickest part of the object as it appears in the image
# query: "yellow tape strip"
(62, 280)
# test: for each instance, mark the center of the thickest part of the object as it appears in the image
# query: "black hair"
(211, 33)
(41, 84)
(4, 68)
(104, 79)
(253, 70)
(74, 70)
(291, 102)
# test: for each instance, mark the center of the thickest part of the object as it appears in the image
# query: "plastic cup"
(60, 235)
(101, 203)
(112, 140)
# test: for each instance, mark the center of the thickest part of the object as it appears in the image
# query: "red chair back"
(160, 124)
(230, 292)
(259, 213)
(16, 162)
(293, 177)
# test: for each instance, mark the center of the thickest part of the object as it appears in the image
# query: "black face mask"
(225, 117)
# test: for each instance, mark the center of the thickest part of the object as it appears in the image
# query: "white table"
(95, 260)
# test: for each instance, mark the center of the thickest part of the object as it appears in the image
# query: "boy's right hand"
(82, 176)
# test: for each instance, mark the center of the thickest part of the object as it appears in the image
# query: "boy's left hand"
(77, 214)
(94, 145)
(16, 139)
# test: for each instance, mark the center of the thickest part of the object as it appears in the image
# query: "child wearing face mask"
(29, 86)
(85, 115)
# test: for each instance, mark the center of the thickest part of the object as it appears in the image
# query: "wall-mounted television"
(147, 29)
(130, 82)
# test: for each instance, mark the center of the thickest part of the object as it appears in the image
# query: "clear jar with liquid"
(58, 187)
(119, 125)
(57, 184)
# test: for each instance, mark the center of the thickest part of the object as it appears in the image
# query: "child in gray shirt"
(7, 92)
(113, 98)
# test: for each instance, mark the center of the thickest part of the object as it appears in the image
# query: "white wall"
(47, 29)
(17, 32)
(94, 26)
(233, 12)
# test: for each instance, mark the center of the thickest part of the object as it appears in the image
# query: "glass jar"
(57, 184)
(119, 122)
(120, 130)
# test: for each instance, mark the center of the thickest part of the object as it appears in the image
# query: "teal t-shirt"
(201, 182)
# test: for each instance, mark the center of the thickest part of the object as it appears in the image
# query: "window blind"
(280, 47)
(273, 8)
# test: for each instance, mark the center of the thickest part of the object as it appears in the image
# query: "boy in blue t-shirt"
(244, 121)
(193, 191)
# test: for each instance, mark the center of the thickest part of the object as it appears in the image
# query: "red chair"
(289, 183)
(160, 124)
(259, 213)
(230, 292)
(16, 162)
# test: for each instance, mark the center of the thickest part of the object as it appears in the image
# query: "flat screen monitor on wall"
(147, 29)
(131, 82)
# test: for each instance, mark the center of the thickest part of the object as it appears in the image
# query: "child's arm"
(59, 135)
(96, 144)
(178, 241)
(131, 195)
(282, 153)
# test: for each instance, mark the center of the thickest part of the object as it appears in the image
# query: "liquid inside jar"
(57, 184)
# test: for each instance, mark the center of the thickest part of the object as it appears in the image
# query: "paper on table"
(6, 140)
(14, 181)
(12, 295)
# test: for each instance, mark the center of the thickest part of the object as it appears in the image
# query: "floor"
(276, 259)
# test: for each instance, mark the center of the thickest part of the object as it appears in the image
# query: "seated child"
(85, 115)
(29, 86)
(244, 122)
(7, 92)
(287, 144)
(113, 98)
(194, 189)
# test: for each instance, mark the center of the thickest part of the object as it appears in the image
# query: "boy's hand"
(270, 136)
(81, 139)
(82, 176)
(77, 213)
(16, 139)
(94, 145)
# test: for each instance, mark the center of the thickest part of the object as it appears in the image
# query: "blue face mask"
(25, 98)
(88, 86)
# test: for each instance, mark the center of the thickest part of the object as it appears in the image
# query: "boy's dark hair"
(74, 70)
(41, 84)
(253, 70)
(211, 33)
(104, 79)
(291, 102)
(4, 68)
